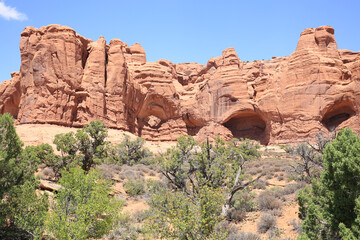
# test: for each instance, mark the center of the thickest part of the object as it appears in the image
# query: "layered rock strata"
(69, 80)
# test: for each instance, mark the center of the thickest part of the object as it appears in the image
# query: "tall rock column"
(91, 103)
(116, 84)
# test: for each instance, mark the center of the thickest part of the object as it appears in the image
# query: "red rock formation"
(69, 80)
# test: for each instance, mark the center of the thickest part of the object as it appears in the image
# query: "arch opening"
(247, 125)
(337, 114)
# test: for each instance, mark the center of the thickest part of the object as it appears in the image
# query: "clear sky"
(183, 31)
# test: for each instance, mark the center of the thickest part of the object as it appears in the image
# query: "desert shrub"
(267, 222)
(47, 173)
(296, 224)
(124, 228)
(198, 177)
(267, 201)
(277, 212)
(128, 174)
(26, 210)
(244, 200)
(140, 216)
(237, 215)
(108, 171)
(82, 208)
(293, 187)
(260, 184)
(269, 176)
(128, 152)
(134, 187)
(173, 215)
(245, 236)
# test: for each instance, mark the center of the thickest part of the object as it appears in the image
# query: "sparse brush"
(134, 187)
(267, 222)
(237, 215)
(296, 224)
(244, 236)
(260, 184)
(293, 187)
(47, 173)
(267, 201)
(108, 171)
(275, 212)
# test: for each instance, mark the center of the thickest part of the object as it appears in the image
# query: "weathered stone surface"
(69, 80)
(10, 95)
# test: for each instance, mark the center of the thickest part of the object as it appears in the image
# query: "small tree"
(27, 210)
(128, 151)
(91, 143)
(311, 157)
(82, 208)
(331, 207)
(12, 168)
(86, 147)
(20, 206)
(199, 176)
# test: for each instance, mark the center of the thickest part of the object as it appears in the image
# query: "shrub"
(47, 173)
(244, 200)
(134, 187)
(275, 212)
(237, 215)
(296, 224)
(293, 187)
(267, 201)
(82, 208)
(245, 236)
(124, 228)
(128, 152)
(260, 184)
(267, 222)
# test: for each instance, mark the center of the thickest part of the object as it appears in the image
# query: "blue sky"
(183, 31)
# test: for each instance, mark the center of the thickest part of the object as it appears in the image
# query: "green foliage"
(86, 147)
(129, 152)
(174, 215)
(199, 176)
(82, 208)
(189, 166)
(12, 167)
(26, 209)
(244, 200)
(331, 207)
(91, 143)
(66, 143)
(134, 187)
(20, 206)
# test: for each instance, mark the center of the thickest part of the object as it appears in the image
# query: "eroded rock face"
(69, 80)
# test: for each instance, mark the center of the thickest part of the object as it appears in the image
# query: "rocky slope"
(69, 80)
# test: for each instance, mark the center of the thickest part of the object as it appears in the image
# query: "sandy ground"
(35, 134)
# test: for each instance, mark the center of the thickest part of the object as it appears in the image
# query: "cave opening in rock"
(247, 125)
(337, 114)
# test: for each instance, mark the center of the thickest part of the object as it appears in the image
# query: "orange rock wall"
(69, 80)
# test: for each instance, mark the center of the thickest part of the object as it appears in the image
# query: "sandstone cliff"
(69, 80)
